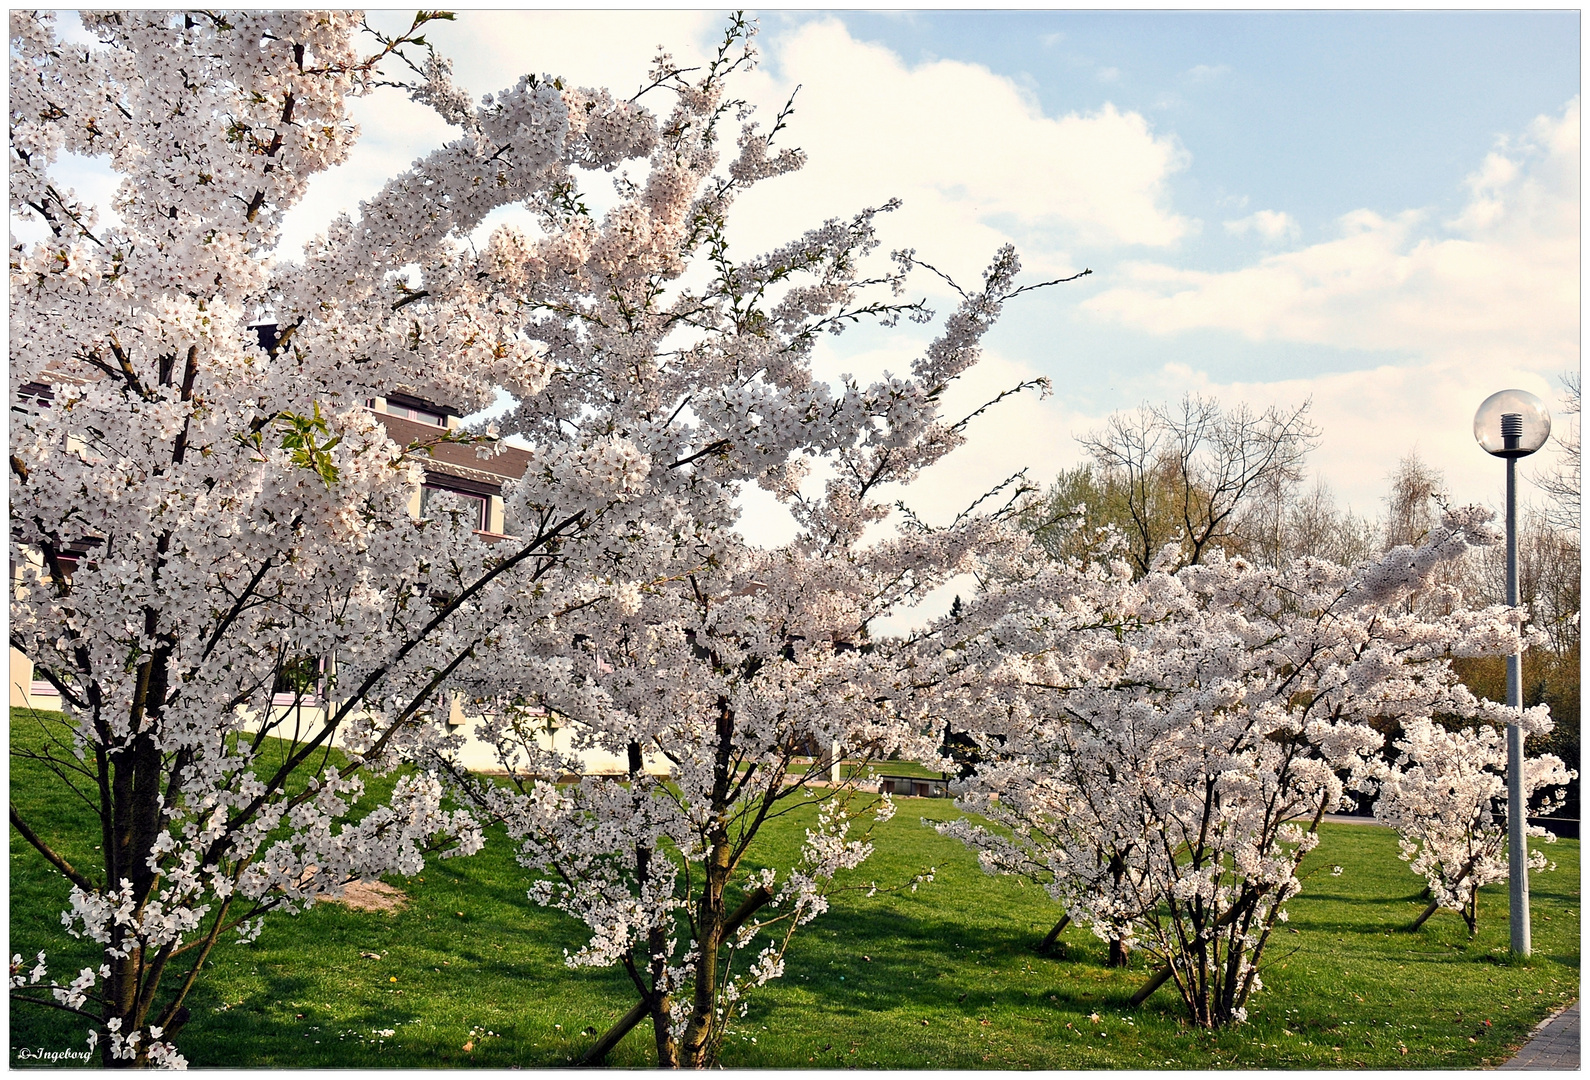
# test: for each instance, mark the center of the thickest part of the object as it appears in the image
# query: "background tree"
(1081, 514)
(1415, 491)
(1193, 474)
(1165, 747)
(1316, 528)
(1563, 485)
(1549, 592)
(1553, 568)
(1128, 496)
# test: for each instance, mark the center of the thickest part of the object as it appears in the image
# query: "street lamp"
(1512, 424)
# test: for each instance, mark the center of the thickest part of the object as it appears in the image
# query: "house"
(451, 467)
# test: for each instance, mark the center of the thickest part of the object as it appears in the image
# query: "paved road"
(1554, 1044)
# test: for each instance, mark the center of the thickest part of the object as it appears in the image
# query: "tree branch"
(49, 853)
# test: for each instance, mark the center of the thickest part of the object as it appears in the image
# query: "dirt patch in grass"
(369, 896)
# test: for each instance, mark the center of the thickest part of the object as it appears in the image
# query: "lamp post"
(1512, 424)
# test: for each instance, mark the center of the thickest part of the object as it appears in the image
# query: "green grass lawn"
(866, 770)
(943, 978)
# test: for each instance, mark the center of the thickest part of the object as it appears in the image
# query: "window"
(297, 681)
(33, 398)
(419, 416)
(481, 503)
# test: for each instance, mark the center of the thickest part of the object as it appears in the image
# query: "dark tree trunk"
(1120, 955)
(1048, 943)
(604, 1045)
(697, 1042)
(1158, 979)
(1424, 916)
(667, 1049)
(695, 1046)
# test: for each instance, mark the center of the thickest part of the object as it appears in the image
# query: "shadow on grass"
(954, 979)
(1358, 899)
(889, 959)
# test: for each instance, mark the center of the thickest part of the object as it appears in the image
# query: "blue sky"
(1315, 115)
(1375, 210)
(1378, 210)
(1330, 111)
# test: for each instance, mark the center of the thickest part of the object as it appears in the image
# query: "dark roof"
(453, 459)
(411, 402)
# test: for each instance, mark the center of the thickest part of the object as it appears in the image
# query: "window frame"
(480, 498)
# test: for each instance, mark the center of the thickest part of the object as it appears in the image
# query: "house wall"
(22, 682)
(476, 754)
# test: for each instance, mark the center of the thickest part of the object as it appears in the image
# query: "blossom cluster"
(202, 512)
(1446, 795)
(1159, 752)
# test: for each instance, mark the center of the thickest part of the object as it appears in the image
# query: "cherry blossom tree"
(1161, 751)
(734, 668)
(1446, 795)
(738, 680)
(190, 515)
(194, 514)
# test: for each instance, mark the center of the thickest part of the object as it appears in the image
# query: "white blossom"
(1158, 753)
(1446, 795)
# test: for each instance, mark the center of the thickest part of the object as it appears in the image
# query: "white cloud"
(1109, 75)
(1498, 284)
(1207, 72)
(490, 50)
(971, 153)
(1271, 226)
(1446, 313)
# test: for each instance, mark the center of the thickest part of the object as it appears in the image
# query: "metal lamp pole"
(1514, 424)
(1517, 872)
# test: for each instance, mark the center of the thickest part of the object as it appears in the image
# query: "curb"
(1554, 1044)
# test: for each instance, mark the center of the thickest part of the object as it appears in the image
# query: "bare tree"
(1187, 474)
(1562, 484)
(1228, 457)
(1315, 527)
(1130, 456)
(1548, 577)
(1412, 502)
(1085, 512)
